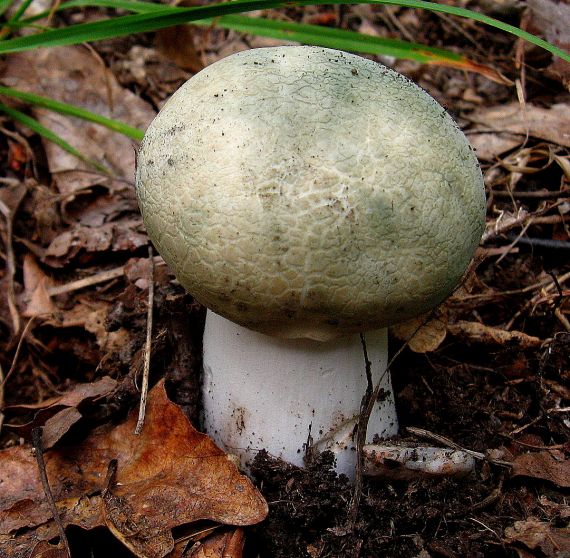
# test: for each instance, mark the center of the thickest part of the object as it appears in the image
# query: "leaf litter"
(169, 476)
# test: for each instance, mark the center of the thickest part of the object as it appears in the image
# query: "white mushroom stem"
(263, 392)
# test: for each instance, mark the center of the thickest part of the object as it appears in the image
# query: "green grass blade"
(20, 11)
(166, 17)
(46, 133)
(4, 5)
(331, 38)
(71, 110)
(302, 33)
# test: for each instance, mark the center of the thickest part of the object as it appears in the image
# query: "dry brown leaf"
(121, 236)
(45, 550)
(176, 44)
(551, 20)
(36, 284)
(75, 75)
(57, 426)
(220, 545)
(480, 333)
(538, 535)
(72, 398)
(427, 338)
(503, 127)
(168, 476)
(542, 465)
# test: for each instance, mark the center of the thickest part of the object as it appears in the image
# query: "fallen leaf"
(542, 465)
(57, 426)
(72, 398)
(168, 476)
(551, 19)
(81, 240)
(220, 545)
(36, 284)
(422, 336)
(75, 75)
(538, 535)
(176, 44)
(480, 333)
(45, 550)
(503, 127)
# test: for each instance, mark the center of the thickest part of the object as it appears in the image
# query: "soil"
(501, 397)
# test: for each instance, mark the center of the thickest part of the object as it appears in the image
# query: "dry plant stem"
(96, 279)
(514, 243)
(367, 407)
(11, 268)
(18, 349)
(1, 397)
(499, 228)
(546, 283)
(360, 439)
(37, 444)
(539, 194)
(147, 349)
(87, 281)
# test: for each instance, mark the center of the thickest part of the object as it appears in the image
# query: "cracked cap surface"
(307, 192)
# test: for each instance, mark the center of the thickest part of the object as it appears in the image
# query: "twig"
(37, 444)
(101, 277)
(362, 426)
(1, 397)
(514, 242)
(540, 242)
(521, 220)
(546, 283)
(147, 349)
(361, 429)
(11, 268)
(18, 349)
(527, 425)
(538, 194)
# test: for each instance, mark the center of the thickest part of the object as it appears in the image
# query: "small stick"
(37, 444)
(11, 268)
(360, 439)
(18, 349)
(147, 349)
(1, 397)
(539, 194)
(367, 407)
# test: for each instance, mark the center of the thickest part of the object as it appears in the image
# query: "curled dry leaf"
(540, 536)
(169, 476)
(480, 333)
(36, 284)
(503, 127)
(422, 336)
(57, 426)
(72, 398)
(542, 465)
(228, 544)
(76, 75)
(121, 236)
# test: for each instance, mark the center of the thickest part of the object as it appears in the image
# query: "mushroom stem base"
(289, 395)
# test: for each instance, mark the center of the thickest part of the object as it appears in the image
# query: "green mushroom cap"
(307, 192)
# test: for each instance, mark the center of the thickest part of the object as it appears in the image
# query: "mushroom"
(305, 196)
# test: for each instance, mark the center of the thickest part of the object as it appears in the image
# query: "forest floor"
(490, 375)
